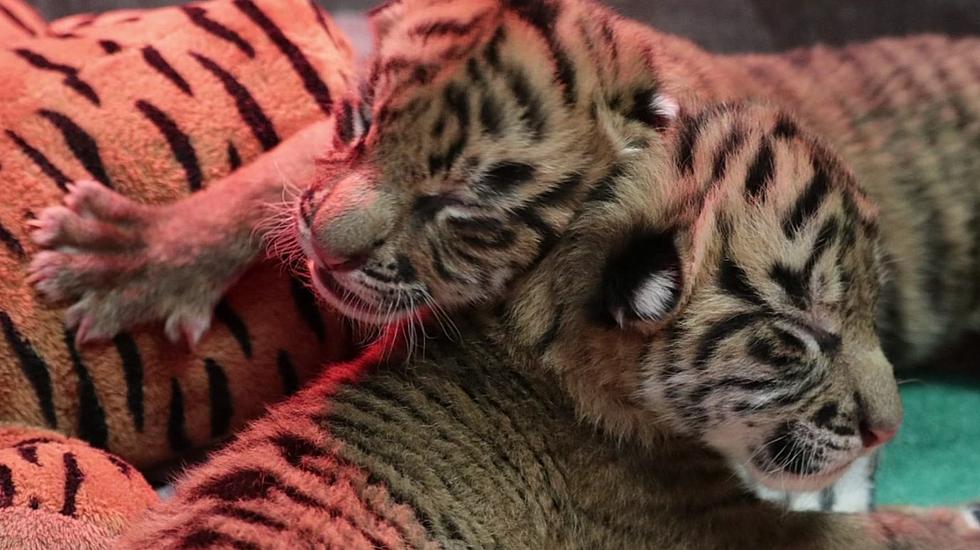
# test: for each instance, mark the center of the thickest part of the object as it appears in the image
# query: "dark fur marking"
(306, 304)
(28, 453)
(9, 14)
(179, 142)
(734, 280)
(248, 108)
(73, 482)
(110, 46)
(132, 365)
(248, 516)
(234, 158)
(250, 484)
(729, 147)
(41, 161)
(491, 114)
(222, 404)
(12, 243)
(155, 59)
(345, 123)
(760, 173)
(70, 73)
(176, 422)
(785, 128)
(81, 144)
(721, 330)
(224, 314)
(532, 111)
(34, 368)
(809, 202)
(688, 136)
(307, 73)
(92, 426)
(201, 538)
(7, 488)
(199, 17)
(795, 283)
(503, 177)
(287, 373)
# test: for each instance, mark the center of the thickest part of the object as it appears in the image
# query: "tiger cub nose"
(876, 435)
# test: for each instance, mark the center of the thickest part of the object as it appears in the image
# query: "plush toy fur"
(156, 104)
(60, 493)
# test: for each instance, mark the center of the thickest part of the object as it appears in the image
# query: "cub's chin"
(788, 481)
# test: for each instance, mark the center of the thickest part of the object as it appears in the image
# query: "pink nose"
(875, 436)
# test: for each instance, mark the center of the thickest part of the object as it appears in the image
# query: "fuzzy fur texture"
(155, 104)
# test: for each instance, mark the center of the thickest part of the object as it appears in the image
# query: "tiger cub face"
(459, 165)
(731, 298)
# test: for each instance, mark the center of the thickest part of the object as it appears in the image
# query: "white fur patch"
(665, 106)
(655, 297)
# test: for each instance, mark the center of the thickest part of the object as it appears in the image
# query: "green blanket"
(936, 457)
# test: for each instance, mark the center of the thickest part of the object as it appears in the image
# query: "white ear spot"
(654, 299)
(665, 106)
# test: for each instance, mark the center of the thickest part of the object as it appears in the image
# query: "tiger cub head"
(476, 135)
(728, 295)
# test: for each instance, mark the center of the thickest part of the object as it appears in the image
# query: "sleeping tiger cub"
(657, 313)
(463, 162)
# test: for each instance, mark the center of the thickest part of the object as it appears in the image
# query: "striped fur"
(155, 105)
(742, 202)
(57, 492)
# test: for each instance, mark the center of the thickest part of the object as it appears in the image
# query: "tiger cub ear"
(642, 283)
(656, 109)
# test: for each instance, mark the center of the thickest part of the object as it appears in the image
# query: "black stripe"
(795, 283)
(808, 203)
(234, 159)
(643, 110)
(250, 484)
(73, 482)
(235, 325)
(132, 365)
(12, 243)
(532, 112)
(249, 109)
(180, 143)
(311, 80)
(41, 161)
(70, 73)
(81, 144)
(28, 453)
(503, 177)
(176, 429)
(199, 17)
(92, 425)
(248, 516)
(306, 304)
(728, 148)
(346, 123)
(155, 59)
(201, 537)
(734, 280)
(605, 189)
(16, 20)
(719, 331)
(543, 16)
(688, 136)
(7, 489)
(222, 407)
(491, 114)
(322, 20)
(760, 173)
(110, 46)
(287, 373)
(120, 464)
(34, 368)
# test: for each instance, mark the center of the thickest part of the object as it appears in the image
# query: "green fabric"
(936, 457)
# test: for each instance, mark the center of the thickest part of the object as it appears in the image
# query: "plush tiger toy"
(662, 315)
(158, 104)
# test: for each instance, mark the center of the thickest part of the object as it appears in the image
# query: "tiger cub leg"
(120, 263)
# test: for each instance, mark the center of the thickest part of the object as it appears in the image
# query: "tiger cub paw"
(118, 264)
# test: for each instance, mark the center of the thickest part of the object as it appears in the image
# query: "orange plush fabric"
(60, 493)
(18, 20)
(156, 104)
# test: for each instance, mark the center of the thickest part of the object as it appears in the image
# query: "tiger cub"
(706, 318)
